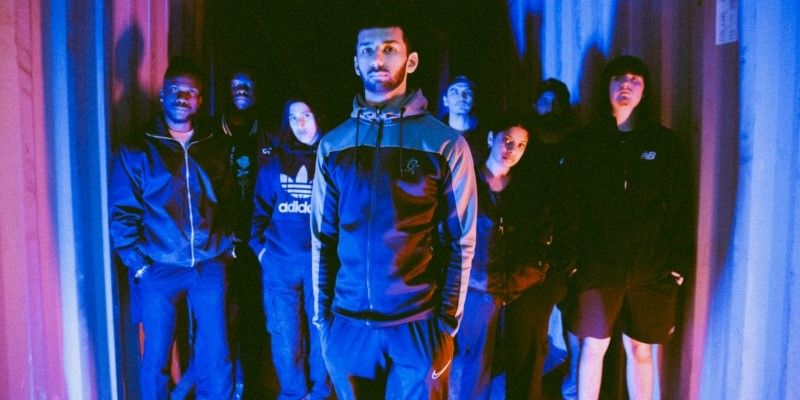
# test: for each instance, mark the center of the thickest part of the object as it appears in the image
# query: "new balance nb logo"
(649, 155)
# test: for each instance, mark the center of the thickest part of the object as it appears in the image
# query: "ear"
(490, 139)
(444, 101)
(355, 65)
(412, 62)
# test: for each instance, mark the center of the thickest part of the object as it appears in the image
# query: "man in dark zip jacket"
(282, 242)
(630, 190)
(388, 296)
(171, 226)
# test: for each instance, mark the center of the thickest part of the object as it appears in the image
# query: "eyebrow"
(390, 41)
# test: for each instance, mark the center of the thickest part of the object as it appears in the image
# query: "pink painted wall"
(31, 354)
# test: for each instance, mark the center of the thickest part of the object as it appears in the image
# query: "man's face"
(545, 103)
(508, 146)
(181, 98)
(382, 60)
(459, 98)
(625, 91)
(302, 122)
(243, 91)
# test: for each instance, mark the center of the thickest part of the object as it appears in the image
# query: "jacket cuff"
(135, 260)
(447, 324)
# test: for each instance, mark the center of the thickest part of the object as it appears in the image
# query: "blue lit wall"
(564, 47)
(753, 335)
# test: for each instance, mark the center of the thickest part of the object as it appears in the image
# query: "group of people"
(402, 256)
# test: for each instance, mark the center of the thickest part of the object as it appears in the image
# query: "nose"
(377, 59)
(627, 81)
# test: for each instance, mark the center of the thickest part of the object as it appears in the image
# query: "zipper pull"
(500, 228)
(625, 184)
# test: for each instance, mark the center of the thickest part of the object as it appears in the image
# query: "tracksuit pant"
(162, 287)
(476, 362)
(296, 348)
(406, 361)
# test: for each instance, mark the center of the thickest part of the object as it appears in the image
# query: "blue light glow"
(570, 33)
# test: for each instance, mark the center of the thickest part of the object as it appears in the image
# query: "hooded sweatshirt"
(631, 194)
(282, 206)
(388, 180)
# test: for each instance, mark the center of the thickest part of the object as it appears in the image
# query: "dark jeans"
(296, 345)
(526, 341)
(162, 287)
(406, 361)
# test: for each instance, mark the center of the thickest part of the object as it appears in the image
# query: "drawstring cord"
(358, 123)
(402, 111)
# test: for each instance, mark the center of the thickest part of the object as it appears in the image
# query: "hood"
(406, 106)
(290, 144)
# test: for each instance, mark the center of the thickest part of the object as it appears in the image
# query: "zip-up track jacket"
(386, 181)
(167, 204)
(282, 207)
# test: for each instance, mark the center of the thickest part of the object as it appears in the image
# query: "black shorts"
(646, 310)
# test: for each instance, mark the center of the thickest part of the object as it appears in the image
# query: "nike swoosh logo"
(436, 374)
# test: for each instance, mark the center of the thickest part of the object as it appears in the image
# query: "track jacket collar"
(158, 128)
(405, 106)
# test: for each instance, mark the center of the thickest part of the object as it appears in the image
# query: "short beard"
(384, 87)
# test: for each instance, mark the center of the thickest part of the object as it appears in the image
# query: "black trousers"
(525, 349)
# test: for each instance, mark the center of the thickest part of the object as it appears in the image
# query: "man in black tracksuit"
(171, 226)
(630, 190)
(388, 296)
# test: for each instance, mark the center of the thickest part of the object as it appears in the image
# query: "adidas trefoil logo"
(299, 188)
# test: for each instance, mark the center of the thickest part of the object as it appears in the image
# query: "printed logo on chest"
(648, 155)
(299, 188)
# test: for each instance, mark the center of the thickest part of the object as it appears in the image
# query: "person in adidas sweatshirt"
(282, 242)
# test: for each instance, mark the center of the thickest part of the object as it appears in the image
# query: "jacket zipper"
(188, 190)
(501, 230)
(189, 199)
(375, 163)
